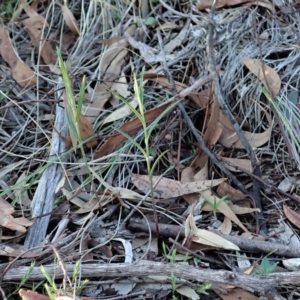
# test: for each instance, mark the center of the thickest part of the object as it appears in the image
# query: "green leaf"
(151, 21)
(266, 267)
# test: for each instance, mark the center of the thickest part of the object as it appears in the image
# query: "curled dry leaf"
(8, 221)
(130, 128)
(266, 74)
(168, 188)
(206, 237)
(292, 216)
(226, 226)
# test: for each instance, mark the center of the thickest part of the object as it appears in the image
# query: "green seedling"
(173, 285)
(147, 130)
(215, 203)
(203, 288)
(265, 267)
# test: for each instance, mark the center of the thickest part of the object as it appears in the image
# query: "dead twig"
(245, 244)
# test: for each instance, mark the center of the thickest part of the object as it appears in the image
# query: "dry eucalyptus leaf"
(230, 139)
(122, 112)
(6, 48)
(232, 164)
(23, 75)
(240, 210)
(168, 188)
(188, 292)
(187, 175)
(268, 76)
(224, 189)
(45, 49)
(206, 237)
(70, 19)
(292, 216)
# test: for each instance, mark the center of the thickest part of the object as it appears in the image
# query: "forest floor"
(149, 149)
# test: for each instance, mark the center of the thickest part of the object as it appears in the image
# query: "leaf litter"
(108, 185)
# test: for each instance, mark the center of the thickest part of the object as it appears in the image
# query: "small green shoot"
(265, 267)
(215, 203)
(173, 285)
(203, 288)
(51, 288)
(147, 130)
(23, 280)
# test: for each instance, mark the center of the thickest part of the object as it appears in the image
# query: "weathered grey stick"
(148, 268)
(43, 199)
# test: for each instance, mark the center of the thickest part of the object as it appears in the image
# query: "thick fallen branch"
(150, 268)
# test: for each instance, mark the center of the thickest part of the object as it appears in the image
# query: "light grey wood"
(146, 268)
(44, 196)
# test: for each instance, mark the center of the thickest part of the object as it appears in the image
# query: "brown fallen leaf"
(187, 175)
(242, 210)
(8, 221)
(230, 164)
(70, 19)
(130, 128)
(224, 189)
(267, 75)
(20, 71)
(45, 49)
(31, 295)
(168, 188)
(292, 216)
(230, 139)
